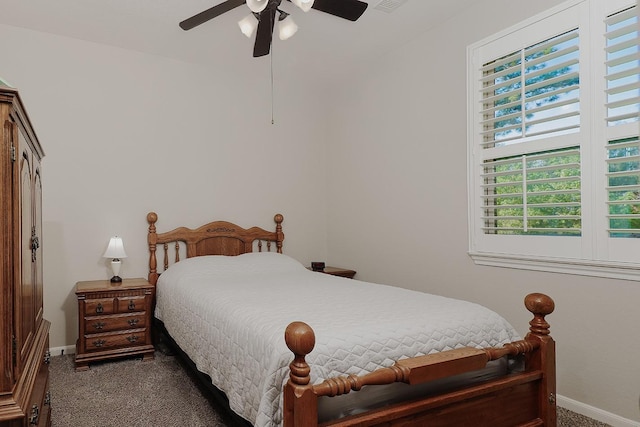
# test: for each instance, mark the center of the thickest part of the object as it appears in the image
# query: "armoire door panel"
(7, 380)
(37, 265)
(26, 321)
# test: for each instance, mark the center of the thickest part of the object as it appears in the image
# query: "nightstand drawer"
(129, 304)
(97, 324)
(99, 306)
(99, 342)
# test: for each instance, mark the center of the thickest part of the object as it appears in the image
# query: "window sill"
(611, 270)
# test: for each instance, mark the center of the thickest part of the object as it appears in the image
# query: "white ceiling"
(325, 46)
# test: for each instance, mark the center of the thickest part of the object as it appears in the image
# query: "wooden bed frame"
(523, 398)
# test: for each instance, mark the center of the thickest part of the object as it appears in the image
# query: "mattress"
(228, 314)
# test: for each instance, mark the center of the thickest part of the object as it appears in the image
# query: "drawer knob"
(99, 325)
(35, 414)
(132, 305)
(99, 308)
(99, 343)
(132, 338)
(133, 322)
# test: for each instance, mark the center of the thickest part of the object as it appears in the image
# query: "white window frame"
(594, 253)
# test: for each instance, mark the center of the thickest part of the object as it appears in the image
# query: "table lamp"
(115, 251)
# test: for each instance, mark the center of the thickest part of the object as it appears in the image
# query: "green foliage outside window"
(549, 202)
(624, 183)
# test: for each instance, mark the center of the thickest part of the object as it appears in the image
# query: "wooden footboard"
(523, 398)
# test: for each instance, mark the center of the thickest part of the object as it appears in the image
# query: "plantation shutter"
(531, 186)
(532, 92)
(623, 67)
(533, 194)
(623, 111)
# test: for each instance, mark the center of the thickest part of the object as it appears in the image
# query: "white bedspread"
(229, 315)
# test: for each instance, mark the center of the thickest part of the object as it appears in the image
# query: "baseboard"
(595, 413)
(58, 351)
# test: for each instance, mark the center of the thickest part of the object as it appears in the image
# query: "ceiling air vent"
(389, 5)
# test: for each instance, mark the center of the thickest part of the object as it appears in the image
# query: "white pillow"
(249, 263)
(268, 261)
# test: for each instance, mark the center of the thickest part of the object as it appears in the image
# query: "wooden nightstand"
(114, 320)
(336, 271)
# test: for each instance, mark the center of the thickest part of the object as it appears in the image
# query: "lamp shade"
(115, 249)
(248, 25)
(305, 5)
(257, 6)
(286, 28)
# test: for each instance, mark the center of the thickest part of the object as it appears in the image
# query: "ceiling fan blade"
(264, 33)
(211, 13)
(347, 9)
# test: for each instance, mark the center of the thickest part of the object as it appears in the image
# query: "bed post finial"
(152, 239)
(540, 305)
(152, 217)
(300, 339)
(300, 402)
(278, 218)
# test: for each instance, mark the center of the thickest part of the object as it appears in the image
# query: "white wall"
(397, 209)
(126, 133)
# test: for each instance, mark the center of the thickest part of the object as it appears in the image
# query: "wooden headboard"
(214, 238)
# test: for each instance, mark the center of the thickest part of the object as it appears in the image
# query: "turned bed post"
(152, 239)
(544, 358)
(300, 401)
(278, 218)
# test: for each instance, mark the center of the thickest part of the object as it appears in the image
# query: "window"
(554, 153)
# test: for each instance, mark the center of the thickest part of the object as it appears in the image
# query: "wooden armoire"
(24, 334)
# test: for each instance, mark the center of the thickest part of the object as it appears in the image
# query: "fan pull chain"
(271, 60)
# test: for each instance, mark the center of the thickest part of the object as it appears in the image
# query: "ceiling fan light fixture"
(265, 12)
(257, 6)
(286, 28)
(248, 25)
(305, 5)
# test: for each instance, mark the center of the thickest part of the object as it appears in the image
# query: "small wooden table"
(114, 320)
(337, 271)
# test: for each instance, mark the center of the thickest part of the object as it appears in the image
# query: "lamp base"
(115, 268)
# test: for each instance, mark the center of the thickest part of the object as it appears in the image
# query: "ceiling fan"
(264, 17)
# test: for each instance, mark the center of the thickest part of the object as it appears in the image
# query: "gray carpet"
(128, 392)
(133, 393)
